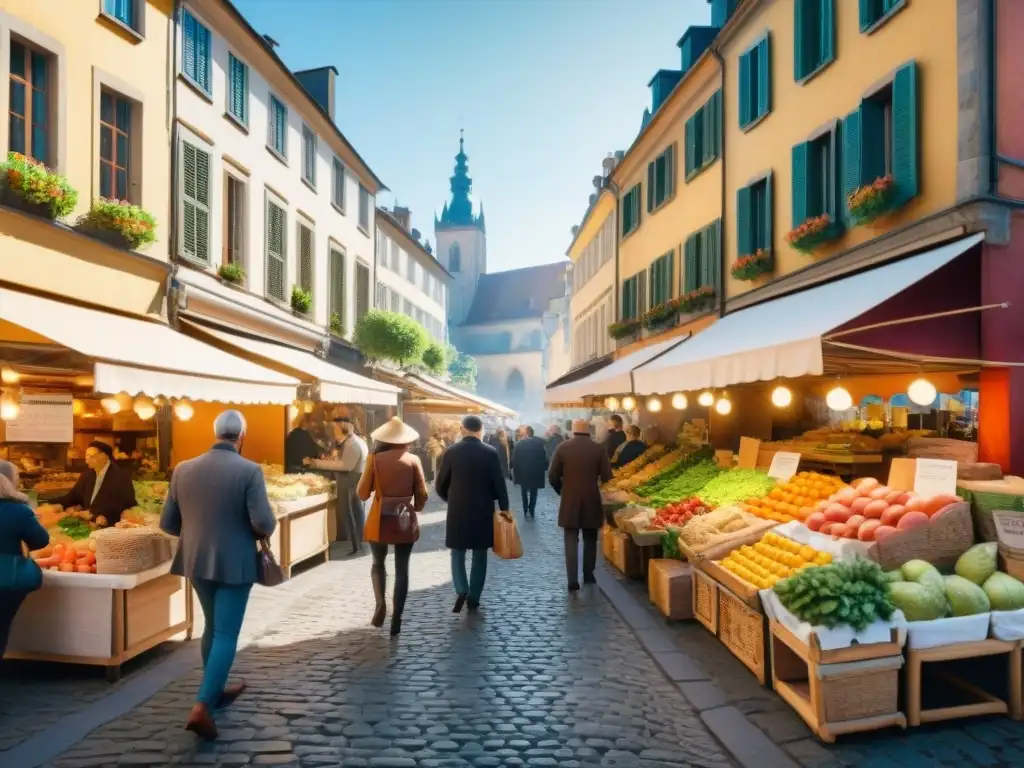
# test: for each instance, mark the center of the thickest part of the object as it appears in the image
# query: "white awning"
(337, 385)
(444, 388)
(783, 337)
(138, 356)
(614, 379)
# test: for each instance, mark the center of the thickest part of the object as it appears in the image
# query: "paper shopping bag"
(507, 544)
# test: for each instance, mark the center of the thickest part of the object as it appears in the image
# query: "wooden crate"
(607, 536)
(977, 701)
(624, 554)
(670, 587)
(705, 600)
(744, 590)
(743, 630)
(837, 692)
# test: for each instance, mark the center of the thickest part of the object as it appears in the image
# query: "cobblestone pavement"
(537, 678)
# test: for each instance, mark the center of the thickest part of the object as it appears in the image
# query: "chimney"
(598, 182)
(661, 86)
(574, 229)
(319, 83)
(693, 43)
(721, 11)
(415, 235)
(270, 41)
(403, 216)
(608, 165)
(593, 198)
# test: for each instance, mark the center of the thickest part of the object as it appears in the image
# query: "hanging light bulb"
(679, 401)
(724, 406)
(110, 405)
(159, 402)
(293, 413)
(922, 392)
(144, 408)
(125, 400)
(653, 404)
(628, 403)
(838, 399)
(782, 397)
(10, 408)
(9, 375)
(611, 403)
(183, 410)
(307, 407)
(77, 407)
(707, 399)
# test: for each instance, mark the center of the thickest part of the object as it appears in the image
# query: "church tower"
(461, 239)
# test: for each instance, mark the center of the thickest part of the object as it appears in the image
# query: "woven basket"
(742, 630)
(130, 550)
(859, 689)
(705, 600)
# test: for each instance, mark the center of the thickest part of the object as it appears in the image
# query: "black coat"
(553, 442)
(504, 455)
(631, 449)
(613, 440)
(470, 480)
(299, 445)
(115, 495)
(529, 463)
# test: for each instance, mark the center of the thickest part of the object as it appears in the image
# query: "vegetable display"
(654, 452)
(686, 484)
(656, 469)
(771, 559)
(736, 485)
(706, 530)
(678, 514)
(75, 528)
(854, 592)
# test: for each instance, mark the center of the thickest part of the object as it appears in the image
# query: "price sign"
(749, 448)
(43, 419)
(933, 477)
(784, 465)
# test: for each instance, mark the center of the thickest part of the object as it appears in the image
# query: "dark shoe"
(574, 587)
(201, 723)
(379, 580)
(230, 693)
(589, 579)
(460, 601)
(396, 625)
(472, 604)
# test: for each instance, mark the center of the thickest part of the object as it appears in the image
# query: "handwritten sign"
(1010, 530)
(43, 419)
(749, 448)
(935, 476)
(784, 465)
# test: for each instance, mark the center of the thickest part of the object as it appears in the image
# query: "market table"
(302, 529)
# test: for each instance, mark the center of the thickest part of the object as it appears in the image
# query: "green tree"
(462, 371)
(435, 359)
(382, 335)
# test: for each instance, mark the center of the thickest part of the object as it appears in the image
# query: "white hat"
(396, 432)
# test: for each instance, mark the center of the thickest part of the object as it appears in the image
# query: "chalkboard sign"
(43, 419)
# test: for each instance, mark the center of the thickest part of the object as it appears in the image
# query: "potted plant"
(384, 335)
(302, 300)
(623, 329)
(36, 189)
(231, 272)
(872, 200)
(814, 232)
(752, 266)
(698, 299)
(118, 223)
(335, 325)
(661, 315)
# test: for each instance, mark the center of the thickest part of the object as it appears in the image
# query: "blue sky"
(543, 88)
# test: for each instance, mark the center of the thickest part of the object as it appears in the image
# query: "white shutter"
(396, 302)
(194, 180)
(362, 289)
(337, 269)
(381, 297)
(305, 258)
(233, 225)
(276, 251)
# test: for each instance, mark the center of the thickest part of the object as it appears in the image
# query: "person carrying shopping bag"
(394, 477)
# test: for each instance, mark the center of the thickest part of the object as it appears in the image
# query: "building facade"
(592, 302)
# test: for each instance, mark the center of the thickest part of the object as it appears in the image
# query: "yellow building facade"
(592, 299)
(86, 83)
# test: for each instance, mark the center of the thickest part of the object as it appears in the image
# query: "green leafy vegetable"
(736, 485)
(847, 592)
(74, 528)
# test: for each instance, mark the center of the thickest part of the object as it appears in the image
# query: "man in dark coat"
(615, 436)
(300, 446)
(633, 448)
(470, 480)
(554, 440)
(529, 463)
(578, 468)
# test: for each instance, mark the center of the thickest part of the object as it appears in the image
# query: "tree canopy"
(383, 335)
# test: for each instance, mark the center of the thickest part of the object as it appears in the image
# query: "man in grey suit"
(218, 507)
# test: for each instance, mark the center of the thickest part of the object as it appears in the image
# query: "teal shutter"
(718, 122)
(828, 31)
(801, 165)
(690, 146)
(851, 157)
(626, 314)
(670, 171)
(764, 77)
(904, 132)
(636, 207)
(707, 113)
(650, 187)
(713, 276)
(872, 141)
(768, 231)
(746, 75)
(188, 45)
(800, 45)
(670, 273)
(743, 213)
(691, 274)
(867, 16)
(706, 255)
(835, 194)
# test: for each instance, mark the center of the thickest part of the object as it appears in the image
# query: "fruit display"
(651, 471)
(76, 557)
(692, 434)
(653, 452)
(736, 485)
(849, 592)
(282, 487)
(150, 495)
(773, 558)
(686, 484)
(55, 481)
(678, 514)
(711, 528)
(795, 499)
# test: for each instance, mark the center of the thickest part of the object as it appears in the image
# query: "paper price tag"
(1010, 529)
(933, 477)
(784, 465)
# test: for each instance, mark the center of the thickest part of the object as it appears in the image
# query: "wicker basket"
(742, 630)
(859, 689)
(607, 536)
(130, 550)
(670, 587)
(705, 600)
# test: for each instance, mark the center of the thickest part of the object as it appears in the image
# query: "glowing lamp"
(679, 401)
(183, 410)
(9, 375)
(922, 392)
(611, 403)
(781, 397)
(77, 407)
(706, 399)
(124, 400)
(628, 403)
(838, 399)
(9, 407)
(723, 406)
(144, 408)
(110, 405)
(293, 413)
(653, 404)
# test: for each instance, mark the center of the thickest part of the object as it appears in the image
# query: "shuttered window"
(816, 173)
(754, 217)
(238, 89)
(336, 269)
(814, 31)
(631, 210)
(234, 220)
(194, 193)
(381, 296)
(395, 261)
(703, 136)
(277, 130)
(123, 11)
(196, 53)
(276, 250)
(755, 83)
(661, 272)
(309, 155)
(306, 240)
(396, 302)
(660, 180)
(702, 259)
(873, 13)
(629, 298)
(362, 289)
(364, 208)
(31, 85)
(338, 185)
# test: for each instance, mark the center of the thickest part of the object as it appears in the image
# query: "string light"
(679, 401)
(77, 407)
(144, 408)
(707, 399)
(612, 403)
(723, 406)
(781, 397)
(838, 399)
(628, 403)
(110, 405)
(9, 375)
(653, 404)
(922, 392)
(183, 410)
(10, 408)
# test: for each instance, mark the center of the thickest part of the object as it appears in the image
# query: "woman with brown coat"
(394, 477)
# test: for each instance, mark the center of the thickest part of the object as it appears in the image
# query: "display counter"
(302, 529)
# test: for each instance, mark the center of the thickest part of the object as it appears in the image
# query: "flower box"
(814, 233)
(752, 266)
(695, 301)
(231, 273)
(34, 188)
(871, 201)
(624, 329)
(661, 316)
(118, 223)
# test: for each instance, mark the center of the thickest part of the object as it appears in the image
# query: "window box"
(752, 266)
(34, 188)
(302, 301)
(661, 316)
(118, 223)
(626, 329)
(231, 273)
(697, 301)
(814, 233)
(335, 325)
(869, 202)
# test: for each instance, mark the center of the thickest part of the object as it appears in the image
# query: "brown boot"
(230, 693)
(201, 723)
(379, 580)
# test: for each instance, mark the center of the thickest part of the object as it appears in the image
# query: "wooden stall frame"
(287, 513)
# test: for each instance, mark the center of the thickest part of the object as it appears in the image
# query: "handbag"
(20, 574)
(398, 521)
(268, 571)
(507, 544)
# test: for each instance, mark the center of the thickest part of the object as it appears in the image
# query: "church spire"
(459, 212)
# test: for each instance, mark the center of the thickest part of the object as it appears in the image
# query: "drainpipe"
(172, 294)
(993, 97)
(615, 288)
(722, 272)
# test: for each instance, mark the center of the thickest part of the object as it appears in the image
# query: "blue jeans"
(223, 609)
(477, 576)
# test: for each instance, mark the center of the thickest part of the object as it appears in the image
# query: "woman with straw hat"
(394, 477)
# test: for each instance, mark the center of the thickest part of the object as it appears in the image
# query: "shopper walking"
(394, 477)
(554, 440)
(500, 442)
(347, 464)
(578, 467)
(470, 479)
(529, 465)
(19, 575)
(218, 507)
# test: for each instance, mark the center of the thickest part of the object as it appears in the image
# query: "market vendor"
(346, 462)
(631, 449)
(104, 489)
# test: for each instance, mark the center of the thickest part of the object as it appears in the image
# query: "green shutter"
(705, 256)
(800, 44)
(867, 15)
(690, 140)
(746, 73)
(764, 77)
(625, 300)
(717, 109)
(636, 207)
(835, 194)
(801, 165)
(670, 270)
(904, 132)
(707, 113)
(743, 212)
(714, 276)
(691, 275)
(828, 31)
(872, 142)
(650, 187)
(670, 171)
(851, 157)
(766, 235)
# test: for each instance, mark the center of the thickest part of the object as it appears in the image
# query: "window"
(395, 267)
(880, 138)
(336, 267)
(338, 186)
(234, 220)
(633, 296)
(196, 53)
(704, 136)
(309, 156)
(631, 211)
(238, 89)
(454, 258)
(276, 250)
(754, 217)
(410, 270)
(277, 131)
(661, 279)
(426, 281)
(660, 181)
(755, 83)
(306, 240)
(873, 13)
(814, 36)
(816, 179)
(702, 259)
(362, 289)
(396, 301)
(194, 193)
(121, 10)
(29, 103)
(381, 296)
(407, 308)
(115, 145)
(364, 208)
